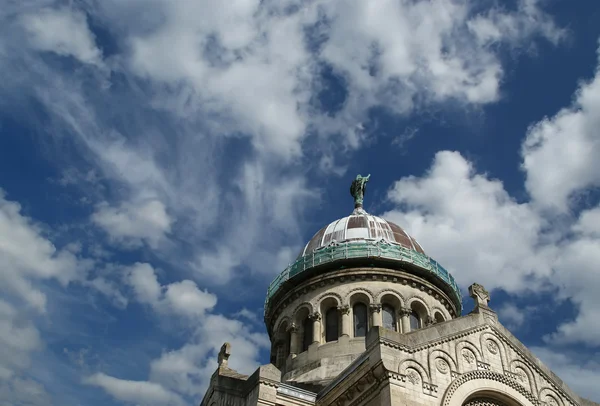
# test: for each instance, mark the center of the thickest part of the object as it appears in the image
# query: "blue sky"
(161, 162)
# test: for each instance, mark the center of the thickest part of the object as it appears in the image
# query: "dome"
(362, 240)
(360, 226)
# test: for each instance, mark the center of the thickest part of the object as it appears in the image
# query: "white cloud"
(511, 315)
(210, 70)
(109, 289)
(393, 54)
(63, 31)
(185, 298)
(560, 152)
(20, 391)
(188, 369)
(181, 298)
(136, 392)
(185, 372)
(135, 222)
(470, 224)
(18, 337)
(577, 368)
(577, 277)
(19, 340)
(474, 228)
(267, 209)
(27, 255)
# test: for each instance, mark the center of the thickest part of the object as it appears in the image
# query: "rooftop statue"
(357, 190)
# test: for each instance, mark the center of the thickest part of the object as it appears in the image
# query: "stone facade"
(341, 290)
(364, 317)
(470, 360)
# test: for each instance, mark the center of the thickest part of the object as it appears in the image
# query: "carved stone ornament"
(375, 308)
(405, 312)
(224, 354)
(479, 295)
(468, 356)
(551, 401)
(521, 375)
(442, 365)
(344, 309)
(413, 377)
(492, 347)
(292, 328)
(316, 316)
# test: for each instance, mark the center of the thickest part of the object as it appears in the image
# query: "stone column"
(376, 315)
(346, 321)
(294, 340)
(404, 319)
(316, 319)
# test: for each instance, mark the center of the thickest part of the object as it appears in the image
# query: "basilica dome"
(364, 241)
(360, 226)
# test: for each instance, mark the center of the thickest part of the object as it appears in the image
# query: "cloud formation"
(63, 31)
(199, 120)
(560, 152)
(470, 223)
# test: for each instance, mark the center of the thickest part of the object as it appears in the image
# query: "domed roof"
(361, 226)
(362, 239)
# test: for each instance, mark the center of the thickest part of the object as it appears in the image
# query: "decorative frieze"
(483, 365)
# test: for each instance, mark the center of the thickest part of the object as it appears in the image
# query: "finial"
(479, 295)
(224, 354)
(357, 190)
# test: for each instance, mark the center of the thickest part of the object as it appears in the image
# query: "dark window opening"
(361, 321)
(389, 317)
(331, 325)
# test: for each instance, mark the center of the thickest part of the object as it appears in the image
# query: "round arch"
(487, 384)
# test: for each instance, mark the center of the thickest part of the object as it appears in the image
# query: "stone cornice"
(536, 366)
(432, 343)
(354, 391)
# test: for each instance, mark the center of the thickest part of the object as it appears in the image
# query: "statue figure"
(357, 190)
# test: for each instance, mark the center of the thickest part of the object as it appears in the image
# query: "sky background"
(162, 161)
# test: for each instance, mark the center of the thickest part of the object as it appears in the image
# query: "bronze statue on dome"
(357, 190)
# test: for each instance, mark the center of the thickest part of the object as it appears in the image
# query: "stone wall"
(342, 289)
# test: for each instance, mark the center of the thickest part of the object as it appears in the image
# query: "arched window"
(307, 336)
(439, 318)
(331, 324)
(415, 321)
(280, 355)
(361, 321)
(389, 317)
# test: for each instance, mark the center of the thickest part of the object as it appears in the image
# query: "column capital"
(405, 311)
(316, 316)
(375, 308)
(293, 328)
(344, 309)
